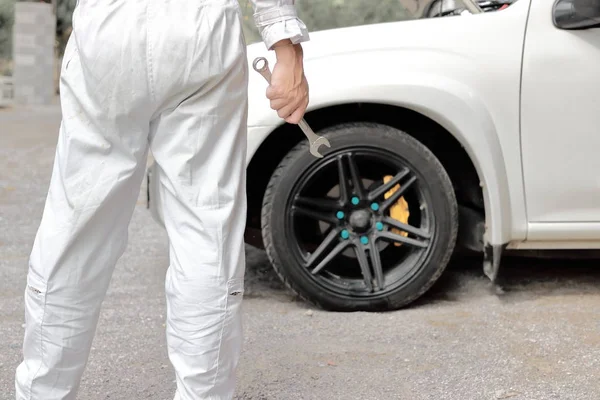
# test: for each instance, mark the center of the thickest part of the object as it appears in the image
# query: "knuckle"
(277, 92)
(273, 92)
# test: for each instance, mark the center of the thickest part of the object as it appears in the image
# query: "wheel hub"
(360, 221)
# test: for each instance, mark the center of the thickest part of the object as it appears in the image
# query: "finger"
(278, 104)
(291, 103)
(286, 111)
(296, 116)
(273, 92)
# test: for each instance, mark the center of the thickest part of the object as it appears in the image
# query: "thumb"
(271, 92)
(296, 116)
(274, 91)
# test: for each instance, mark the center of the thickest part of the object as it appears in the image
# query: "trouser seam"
(41, 342)
(150, 71)
(223, 323)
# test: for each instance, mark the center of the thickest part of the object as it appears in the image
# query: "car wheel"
(369, 227)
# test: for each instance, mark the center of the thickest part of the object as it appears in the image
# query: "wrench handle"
(310, 134)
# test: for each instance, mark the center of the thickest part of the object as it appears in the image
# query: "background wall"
(34, 53)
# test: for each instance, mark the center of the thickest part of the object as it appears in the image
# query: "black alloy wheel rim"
(338, 226)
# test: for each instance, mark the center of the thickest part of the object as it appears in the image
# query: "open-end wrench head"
(314, 146)
(315, 152)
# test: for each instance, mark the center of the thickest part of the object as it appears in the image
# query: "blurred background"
(317, 14)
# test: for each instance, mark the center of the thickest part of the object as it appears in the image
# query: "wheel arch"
(468, 163)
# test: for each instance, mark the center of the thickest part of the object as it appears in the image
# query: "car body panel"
(440, 68)
(561, 122)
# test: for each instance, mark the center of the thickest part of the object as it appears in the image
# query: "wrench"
(315, 140)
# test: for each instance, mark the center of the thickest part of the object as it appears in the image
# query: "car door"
(560, 124)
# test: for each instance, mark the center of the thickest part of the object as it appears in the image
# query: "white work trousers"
(168, 76)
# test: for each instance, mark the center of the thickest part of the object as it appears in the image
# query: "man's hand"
(288, 91)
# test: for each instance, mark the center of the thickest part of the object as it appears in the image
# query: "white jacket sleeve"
(278, 20)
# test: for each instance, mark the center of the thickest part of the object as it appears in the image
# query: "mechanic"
(169, 77)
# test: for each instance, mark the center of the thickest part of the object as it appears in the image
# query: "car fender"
(444, 98)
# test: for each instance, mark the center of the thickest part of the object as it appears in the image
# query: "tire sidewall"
(418, 158)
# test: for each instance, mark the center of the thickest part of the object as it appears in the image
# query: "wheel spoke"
(407, 228)
(356, 181)
(343, 176)
(401, 239)
(322, 203)
(336, 250)
(319, 216)
(323, 247)
(377, 192)
(361, 255)
(376, 261)
(397, 194)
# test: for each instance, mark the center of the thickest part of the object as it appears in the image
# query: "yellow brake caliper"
(399, 210)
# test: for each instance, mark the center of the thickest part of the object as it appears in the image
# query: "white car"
(479, 131)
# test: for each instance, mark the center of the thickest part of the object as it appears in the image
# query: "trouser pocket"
(236, 293)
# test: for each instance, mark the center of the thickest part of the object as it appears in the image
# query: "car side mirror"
(576, 14)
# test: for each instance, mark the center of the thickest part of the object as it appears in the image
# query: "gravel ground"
(539, 340)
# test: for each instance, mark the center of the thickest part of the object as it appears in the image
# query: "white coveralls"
(169, 76)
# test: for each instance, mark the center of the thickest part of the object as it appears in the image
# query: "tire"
(347, 282)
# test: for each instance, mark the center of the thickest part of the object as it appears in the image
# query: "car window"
(443, 8)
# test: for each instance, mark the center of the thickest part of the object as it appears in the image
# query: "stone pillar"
(33, 53)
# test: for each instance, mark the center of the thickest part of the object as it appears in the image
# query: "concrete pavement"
(538, 341)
